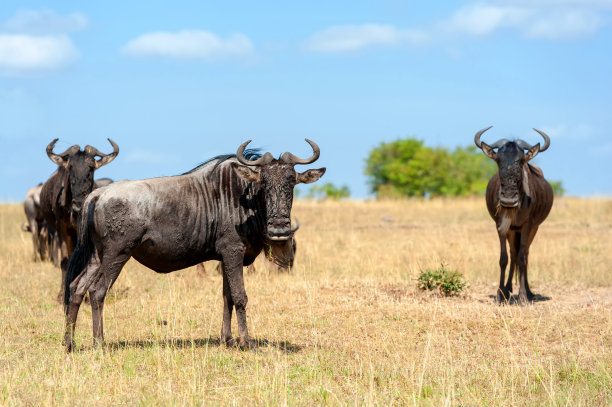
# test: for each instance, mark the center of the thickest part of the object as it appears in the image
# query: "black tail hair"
(83, 251)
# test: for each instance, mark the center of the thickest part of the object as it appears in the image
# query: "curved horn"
(60, 159)
(297, 225)
(104, 158)
(477, 137)
(546, 140)
(25, 227)
(267, 157)
(291, 159)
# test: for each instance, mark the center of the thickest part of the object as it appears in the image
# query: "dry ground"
(347, 326)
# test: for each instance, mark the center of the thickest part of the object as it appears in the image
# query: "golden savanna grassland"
(346, 326)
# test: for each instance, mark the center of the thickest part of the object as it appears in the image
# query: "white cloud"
(484, 19)
(44, 22)
(568, 24)
(559, 3)
(570, 19)
(347, 38)
(36, 41)
(23, 54)
(191, 44)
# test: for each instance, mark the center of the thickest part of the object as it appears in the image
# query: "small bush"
(449, 282)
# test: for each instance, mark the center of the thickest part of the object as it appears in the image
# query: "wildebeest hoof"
(69, 345)
(248, 344)
(503, 296)
(229, 341)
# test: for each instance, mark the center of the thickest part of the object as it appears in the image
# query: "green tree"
(329, 191)
(557, 187)
(406, 167)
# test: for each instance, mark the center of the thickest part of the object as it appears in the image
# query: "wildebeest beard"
(280, 252)
(507, 216)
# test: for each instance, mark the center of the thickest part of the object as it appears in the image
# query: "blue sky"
(176, 84)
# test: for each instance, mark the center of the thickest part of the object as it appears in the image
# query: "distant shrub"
(558, 188)
(329, 191)
(448, 282)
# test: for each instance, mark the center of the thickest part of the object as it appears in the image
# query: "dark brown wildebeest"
(227, 209)
(62, 196)
(518, 199)
(42, 235)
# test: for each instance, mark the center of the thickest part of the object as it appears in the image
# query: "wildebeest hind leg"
(77, 291)
(109, 271)
(532, 234)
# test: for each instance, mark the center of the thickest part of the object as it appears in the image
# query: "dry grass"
(347, 326)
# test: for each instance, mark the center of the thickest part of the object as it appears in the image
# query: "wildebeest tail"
(83, 251)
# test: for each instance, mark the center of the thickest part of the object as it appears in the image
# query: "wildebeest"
(518, 199)
(42, 235)
(227, 209)
(62, 196)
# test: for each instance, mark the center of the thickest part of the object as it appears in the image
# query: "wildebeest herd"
(230, 209)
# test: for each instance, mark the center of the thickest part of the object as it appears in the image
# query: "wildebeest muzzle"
(280, 230)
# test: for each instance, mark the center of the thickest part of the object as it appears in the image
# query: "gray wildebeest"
(227, 209)
(518, 199)
(42, 235)
(62, 196)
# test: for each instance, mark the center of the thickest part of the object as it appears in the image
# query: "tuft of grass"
(448, 282)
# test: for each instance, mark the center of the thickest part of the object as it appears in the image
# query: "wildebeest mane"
(249, 154)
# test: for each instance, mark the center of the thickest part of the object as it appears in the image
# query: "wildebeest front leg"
(532, 234)
(502, 294)
(514, 242)
(522, 264)
(35, 241)
(233, 271)
(66, 248)
(228, 308)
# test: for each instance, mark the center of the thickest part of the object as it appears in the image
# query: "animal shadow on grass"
(283, 346)
(514, 299)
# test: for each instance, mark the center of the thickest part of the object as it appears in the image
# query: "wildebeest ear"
(247, 173)
(309, 176)
(532, 152)
(488, 150)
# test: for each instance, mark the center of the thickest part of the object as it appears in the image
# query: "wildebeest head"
(79, 169)
(277, 177)
(512, 158)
